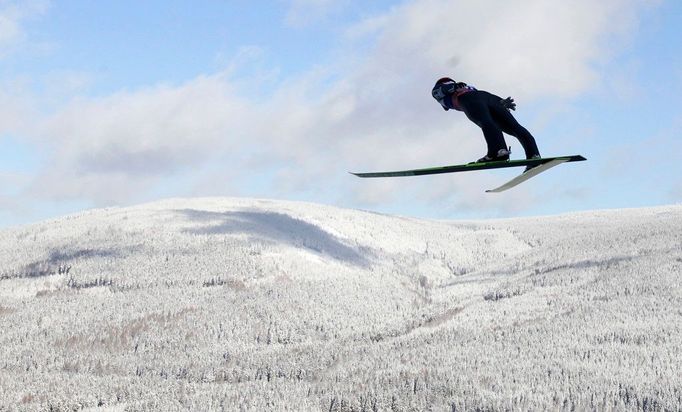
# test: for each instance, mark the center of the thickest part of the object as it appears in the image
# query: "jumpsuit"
(486, 110)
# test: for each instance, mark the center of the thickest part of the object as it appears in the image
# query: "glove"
(508, 103)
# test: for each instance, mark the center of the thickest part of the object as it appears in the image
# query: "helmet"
(442, 89)
(444, 80)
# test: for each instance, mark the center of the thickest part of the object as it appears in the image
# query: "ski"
(471, 167)
(527, 175)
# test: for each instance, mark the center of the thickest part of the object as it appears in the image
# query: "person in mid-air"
(490, 112)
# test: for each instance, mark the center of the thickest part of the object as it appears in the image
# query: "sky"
(119, 103)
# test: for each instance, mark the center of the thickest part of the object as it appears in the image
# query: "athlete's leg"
(476, 109)
(509, 125)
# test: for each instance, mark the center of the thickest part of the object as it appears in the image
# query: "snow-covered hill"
(237, 304)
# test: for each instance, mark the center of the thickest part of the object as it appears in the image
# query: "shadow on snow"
(57, 262)
(277, 228)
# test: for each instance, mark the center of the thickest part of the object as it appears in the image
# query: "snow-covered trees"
(227, 304)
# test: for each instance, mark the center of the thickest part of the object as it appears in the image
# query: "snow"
(247, 304)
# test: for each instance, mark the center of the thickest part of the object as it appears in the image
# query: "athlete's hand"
(508, 103)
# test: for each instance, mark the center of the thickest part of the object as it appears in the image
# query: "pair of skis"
(537, 166)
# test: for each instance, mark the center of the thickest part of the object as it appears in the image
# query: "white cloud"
(109, 148)
(535, 47)
(13, 13)
(376, 113)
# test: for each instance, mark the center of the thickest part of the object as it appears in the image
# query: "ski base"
(527, 175)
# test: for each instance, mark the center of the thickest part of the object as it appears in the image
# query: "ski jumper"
(486, 110)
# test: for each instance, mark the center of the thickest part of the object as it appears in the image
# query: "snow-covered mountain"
(239, 304)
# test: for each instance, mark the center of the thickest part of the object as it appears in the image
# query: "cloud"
(533, 48)
(371, 109)
(109, 148)
(12, 16)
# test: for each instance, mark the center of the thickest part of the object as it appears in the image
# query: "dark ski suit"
(487, 111)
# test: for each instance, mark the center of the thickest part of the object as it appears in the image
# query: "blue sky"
(118, 103)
